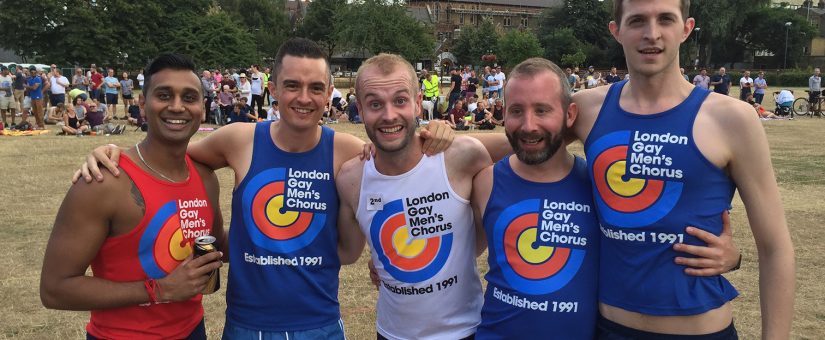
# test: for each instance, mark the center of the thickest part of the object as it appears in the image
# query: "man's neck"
(552, 170)
(656, 93)
(401, 161)
(294, 140)
(167, 158)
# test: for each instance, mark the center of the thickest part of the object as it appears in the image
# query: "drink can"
(205, 245)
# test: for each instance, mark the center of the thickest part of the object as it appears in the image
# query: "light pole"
(787, 28)
(696, 32)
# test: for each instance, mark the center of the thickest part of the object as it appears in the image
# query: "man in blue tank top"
(664, 154)
(537, 213)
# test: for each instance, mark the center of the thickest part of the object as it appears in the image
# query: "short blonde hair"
(386, 64)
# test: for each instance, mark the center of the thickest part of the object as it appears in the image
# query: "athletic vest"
(283, 273)
(543, 244)
(423, 247)
(176, 214)
(650, 182)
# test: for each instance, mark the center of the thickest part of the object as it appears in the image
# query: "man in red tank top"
(138, 238)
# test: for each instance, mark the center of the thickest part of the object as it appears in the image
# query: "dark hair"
(534, 66)
(167, 61)
(618, 11)
(298, 47)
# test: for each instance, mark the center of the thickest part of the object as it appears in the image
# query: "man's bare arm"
(350, 238)
(751, 169)
(76, 239)
(482, 187)
(213, 190)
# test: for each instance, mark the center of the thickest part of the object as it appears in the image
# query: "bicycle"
(803, 107)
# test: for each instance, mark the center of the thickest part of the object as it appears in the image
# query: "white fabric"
(744, 81)
(451, 312)
(784, 96)
(256, 82)
(59, 84)
(246, 92)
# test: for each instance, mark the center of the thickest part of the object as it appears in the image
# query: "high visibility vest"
(431, 86)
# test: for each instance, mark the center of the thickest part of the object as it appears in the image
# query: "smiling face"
(650, 32)
(388, 104)
(535, 121)
(173, 105)
(302, 89)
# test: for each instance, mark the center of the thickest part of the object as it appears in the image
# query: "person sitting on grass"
(241, 113)
(498, 113)
(133, 114)
(72, 122)
(455, 119)
(483, 118)
(56, 113)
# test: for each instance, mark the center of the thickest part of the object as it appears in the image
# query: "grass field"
(36, 173)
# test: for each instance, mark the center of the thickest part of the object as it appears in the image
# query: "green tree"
(586, 19)
(265, 19)
(516, 46)
(764, 29)
(383, 26)
(318, 24)
(719, 22)
(475, 41)
(562, 42)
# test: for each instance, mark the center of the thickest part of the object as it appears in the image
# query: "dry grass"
(36, 176)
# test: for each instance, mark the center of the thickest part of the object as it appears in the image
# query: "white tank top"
(423, 246)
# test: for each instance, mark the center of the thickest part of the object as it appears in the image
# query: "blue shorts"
(54, 99)
(111, 98)
(609, 330)
(333, 331)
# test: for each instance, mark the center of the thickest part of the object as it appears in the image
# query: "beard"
(409, 134)
(552, 143)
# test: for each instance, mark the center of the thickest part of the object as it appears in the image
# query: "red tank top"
(176, 214)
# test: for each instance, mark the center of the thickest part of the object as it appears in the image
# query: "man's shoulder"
(727, 109)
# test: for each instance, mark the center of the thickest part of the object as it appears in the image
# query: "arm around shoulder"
(482, 189)
(215, 150)
(350, 238)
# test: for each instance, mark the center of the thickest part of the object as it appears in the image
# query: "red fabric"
(97, 80)
(176, 214)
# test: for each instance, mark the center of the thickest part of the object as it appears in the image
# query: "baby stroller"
(784, 102)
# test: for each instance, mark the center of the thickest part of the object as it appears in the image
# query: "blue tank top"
(283, 273)
(543, 244)
(650, 181)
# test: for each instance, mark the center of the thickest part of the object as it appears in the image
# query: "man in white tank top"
(414, 211)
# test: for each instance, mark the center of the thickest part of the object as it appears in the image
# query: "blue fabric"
(543, 244)
(284, 262)
(334, 331)
(36, 93)
(650, 182)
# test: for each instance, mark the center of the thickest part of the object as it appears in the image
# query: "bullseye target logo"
(163, 245)
(281, 210)
(635, 180)
(406, 255)
(522, 240)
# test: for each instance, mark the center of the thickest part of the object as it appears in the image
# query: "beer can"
(205, 245)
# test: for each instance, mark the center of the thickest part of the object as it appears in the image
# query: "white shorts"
(7, 103)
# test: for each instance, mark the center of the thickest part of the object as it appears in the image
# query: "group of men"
(591, 79)
(662, 166)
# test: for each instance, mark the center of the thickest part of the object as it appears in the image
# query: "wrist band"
(738, 264)
(149, 285)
